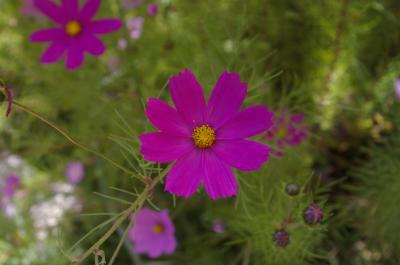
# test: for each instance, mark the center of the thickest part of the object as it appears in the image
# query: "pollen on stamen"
(158, 228)
(73, 28)
(203, 136)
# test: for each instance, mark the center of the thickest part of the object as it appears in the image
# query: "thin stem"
(125, 214)
(69, 138)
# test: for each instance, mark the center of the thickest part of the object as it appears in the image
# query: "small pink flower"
(135, 27)
(28, 9)
(153, 233)
(77, 31)
(74, 171)
(397, 88)
(218, 226)
(122, 44)
(205, 139)
(287, 129)
(152, 9)
(131, 4)
(11, 186)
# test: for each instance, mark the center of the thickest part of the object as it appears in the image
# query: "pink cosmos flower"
(287, 129)
(74, 171)
(28, 9)
(135, 27)
(205, 139)
(153, 233)
(152, 9)
(397, 89)
(77, 31)
(11, 186)
(131, 4)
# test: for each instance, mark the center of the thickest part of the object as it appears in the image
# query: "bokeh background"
(336, 62)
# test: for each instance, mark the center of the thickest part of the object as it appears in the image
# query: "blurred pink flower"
(28, 9)
(113, 63)
(122, 44)
(397, 88)
(11, 185)
(131, 4)
(152, 9)
(74, 171)
(135, 27)
(218, 226)
(153, 233)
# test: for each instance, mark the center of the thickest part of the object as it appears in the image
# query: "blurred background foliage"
(335, 61)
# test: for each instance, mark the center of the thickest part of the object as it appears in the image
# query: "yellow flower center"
(73, 28)
(281, 133)
(203, 136)
(158, 229)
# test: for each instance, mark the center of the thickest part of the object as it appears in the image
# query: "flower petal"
(161, 147)
(70, 7)
(75, 57)
(54, 52)
(226, 99)
(166, 118)
(188, 97)
(242, 154)
(186, 175)
(93, 45)
(104, 26)
(51, 10)
(246, 123)
(219, 180)
(89, 9)
(46, 35)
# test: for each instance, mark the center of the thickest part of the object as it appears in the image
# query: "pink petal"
(161, 147)
(75, 57)
(70, 7)
(104, 26)
(51, 10)
(186, 175)
(54, 52)
(246, 123)
(166, 118)
(93, 45)
(219, 180)
(188, 97)
(242, 154)
(45, 35)
(89, 9)
(226, 99)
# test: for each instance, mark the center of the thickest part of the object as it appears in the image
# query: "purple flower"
(281, 238)
(135, 27)
(205, 139)
(287, 129)
(28, 9)
(313, 214)
(77, 31)
(11, 185)
(153, 233)
(152, 9)
(74, 171)
(397, 88)
(131, 4)
(218, 226)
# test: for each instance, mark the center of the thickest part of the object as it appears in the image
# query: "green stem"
(69, 138)
(138, 202)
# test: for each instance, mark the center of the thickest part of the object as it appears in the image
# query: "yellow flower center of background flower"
(203, 136)
(73, 28)
(158, 229)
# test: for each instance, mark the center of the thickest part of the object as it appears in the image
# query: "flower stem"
(137, 203)
(69, 138)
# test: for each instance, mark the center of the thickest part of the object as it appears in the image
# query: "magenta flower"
(135, 27)
(28, 9)
(397, 88)
(11, 186)
(152, 9)
(153, 233)
(287, 129)
(77, 31)
(74, 171)
(131, 4)
(205, 139)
